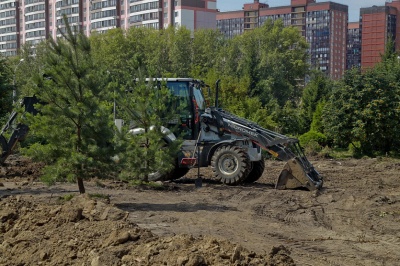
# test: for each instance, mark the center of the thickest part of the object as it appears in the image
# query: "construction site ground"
(353, 220)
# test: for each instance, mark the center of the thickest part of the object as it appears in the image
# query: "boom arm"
(273, 142)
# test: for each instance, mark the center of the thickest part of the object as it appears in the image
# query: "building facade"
(31, 21)
(353, 45)
(324, 25)
(378, 25)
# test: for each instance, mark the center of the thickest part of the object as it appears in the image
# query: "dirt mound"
(91, 231)
(19, 167)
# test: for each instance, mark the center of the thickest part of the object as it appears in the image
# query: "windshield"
(181, 90)
(199, 97)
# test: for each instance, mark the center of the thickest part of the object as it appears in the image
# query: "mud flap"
(294, 176)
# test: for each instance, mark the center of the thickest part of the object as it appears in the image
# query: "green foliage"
(5, 87)
(313, 148)
(205, 48)
(147, 185)
(317, 90)
(313, 136)
(314, 143)
(99, 196)
(390, 51)
(288, 119)
(355, 150)
(158, 53)
(265, 64)
(76, 121)
(252, 109)
(316, 124)
(272, 57)
(366, 109)
(147, 149)
(66, 197)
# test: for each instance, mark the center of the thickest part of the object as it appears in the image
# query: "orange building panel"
(276, 11)
(301, 2)
(353, 25)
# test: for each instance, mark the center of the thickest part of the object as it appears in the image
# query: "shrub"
(313, 136)
(355, 149)
(312, 148)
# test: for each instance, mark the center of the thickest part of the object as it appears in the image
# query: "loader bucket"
(294, 175)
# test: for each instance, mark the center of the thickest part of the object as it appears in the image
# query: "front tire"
(256, 172)
(230, 165)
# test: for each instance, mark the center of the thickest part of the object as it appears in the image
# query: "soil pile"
(91, 231)
(353, 220)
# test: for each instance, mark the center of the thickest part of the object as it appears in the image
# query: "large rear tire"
(256, 172)
(175, 173)
(230, 165)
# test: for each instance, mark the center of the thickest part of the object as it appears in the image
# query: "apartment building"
(324, 25)
(378, 25)
(353, 45)
(31, 21)
(9, 24)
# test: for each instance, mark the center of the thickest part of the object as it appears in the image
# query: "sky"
(354, 5)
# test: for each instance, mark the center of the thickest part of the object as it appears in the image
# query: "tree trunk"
(81, 186)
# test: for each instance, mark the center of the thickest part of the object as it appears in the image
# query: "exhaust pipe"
(216, 93)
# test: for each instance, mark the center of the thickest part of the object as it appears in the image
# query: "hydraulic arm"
(18, 130)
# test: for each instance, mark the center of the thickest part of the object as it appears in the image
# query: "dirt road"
(354, 220)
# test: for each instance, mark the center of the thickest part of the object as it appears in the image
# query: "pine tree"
(147, 152)
(5, 88)
(75, 122)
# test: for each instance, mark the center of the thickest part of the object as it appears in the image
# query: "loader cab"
(189, 103)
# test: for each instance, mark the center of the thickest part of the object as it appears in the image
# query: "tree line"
(262, 75)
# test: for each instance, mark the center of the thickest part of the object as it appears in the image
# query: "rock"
(195, 260)
(117, 239)
(43, 255)
(236, 254)
(95, 261)
(182, 260)
(73, 214)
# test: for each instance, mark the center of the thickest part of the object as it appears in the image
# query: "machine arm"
(276, 144)
(19, 131)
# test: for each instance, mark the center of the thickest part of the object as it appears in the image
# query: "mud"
(353, 220)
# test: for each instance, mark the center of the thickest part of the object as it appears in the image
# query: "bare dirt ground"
(353, 220)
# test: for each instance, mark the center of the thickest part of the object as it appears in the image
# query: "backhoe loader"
(229, 144)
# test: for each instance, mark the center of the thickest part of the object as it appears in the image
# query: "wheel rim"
(228, 164)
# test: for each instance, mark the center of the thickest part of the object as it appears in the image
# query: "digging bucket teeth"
(294, 175)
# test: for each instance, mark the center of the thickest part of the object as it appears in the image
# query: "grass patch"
(99, 196)
(66, 197)
(148, 185)
(99, 184)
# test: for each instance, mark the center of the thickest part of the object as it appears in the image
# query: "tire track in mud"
(338, 221)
